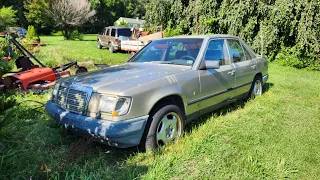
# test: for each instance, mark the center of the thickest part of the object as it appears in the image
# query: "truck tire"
(165, 125)
(111, 48)
(99, 44)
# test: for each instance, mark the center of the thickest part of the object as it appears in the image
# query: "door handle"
(231, 73)
(253, 66)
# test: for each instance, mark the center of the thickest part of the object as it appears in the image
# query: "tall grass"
(275, 136)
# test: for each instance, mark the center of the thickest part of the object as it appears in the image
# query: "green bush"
(294, 58)
(31, 32)
(57, 33)
(5, 67)
(32, 35)
(76, 35)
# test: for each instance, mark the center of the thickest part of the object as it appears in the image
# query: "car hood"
(118, 78)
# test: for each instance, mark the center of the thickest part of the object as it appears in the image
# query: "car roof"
(203, 36)
(117, 27)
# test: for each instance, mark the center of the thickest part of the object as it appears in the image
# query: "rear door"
(108, 36)
(245, 66)
(112, 36)
(216, 83)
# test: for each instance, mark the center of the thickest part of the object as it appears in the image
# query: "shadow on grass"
(267, 86)
(223, 111)
(88, 40)
(91, 159)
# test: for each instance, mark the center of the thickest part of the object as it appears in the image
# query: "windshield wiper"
(161, 62)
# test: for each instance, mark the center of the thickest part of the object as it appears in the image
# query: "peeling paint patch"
(88, 119)
(63, 114)
(96, 131)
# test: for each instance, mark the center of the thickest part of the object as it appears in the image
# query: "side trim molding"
(216, 94)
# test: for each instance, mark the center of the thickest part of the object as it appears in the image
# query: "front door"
(216, 84)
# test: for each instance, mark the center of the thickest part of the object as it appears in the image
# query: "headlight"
(55, 91)
(113, 105)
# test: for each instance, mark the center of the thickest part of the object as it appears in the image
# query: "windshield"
(124, 32)
(170, 51)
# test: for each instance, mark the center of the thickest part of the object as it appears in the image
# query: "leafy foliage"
(35, 14)
(31, 32)
(7, 17)
(279, 24)
(76, 35)
(122, 23)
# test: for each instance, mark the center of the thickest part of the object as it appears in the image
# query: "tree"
(69, 14)
(157, 12)
(122, 23)
(35, 13)
(7, 17)
(290, 28)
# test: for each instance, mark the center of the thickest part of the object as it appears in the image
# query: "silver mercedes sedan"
(149, 100)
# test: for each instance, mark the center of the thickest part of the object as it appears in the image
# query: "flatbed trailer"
(134, 45)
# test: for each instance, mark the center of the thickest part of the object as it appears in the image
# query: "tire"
(111, 48)
(167, 125)
(99, 45)
(256, 88)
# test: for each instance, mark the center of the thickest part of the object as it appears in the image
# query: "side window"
(236, 50)
(248, 57)
(107, 32)
(216, 51)
(113, 32)
(103, 31)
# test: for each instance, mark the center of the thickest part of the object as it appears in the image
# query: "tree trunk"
(67, 31)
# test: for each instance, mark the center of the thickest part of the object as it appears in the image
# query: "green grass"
(275, 136)
(59, 51)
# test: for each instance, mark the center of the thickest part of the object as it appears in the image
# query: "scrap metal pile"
(32, 76)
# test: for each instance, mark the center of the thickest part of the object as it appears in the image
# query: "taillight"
(116, 40)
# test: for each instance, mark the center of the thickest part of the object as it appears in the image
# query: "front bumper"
(119, 134)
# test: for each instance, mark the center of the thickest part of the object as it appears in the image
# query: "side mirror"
(210, 64)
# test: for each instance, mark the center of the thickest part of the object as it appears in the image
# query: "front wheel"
(256, 88)
(99, 45)
(167, 125)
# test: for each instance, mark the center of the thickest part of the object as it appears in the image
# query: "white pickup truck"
(134, 45)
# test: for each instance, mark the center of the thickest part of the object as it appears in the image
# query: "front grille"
(72, 99)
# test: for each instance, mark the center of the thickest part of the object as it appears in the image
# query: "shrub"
(32, 35)
(57, 33)
(5, 67)
(294, 58)
(31, 32)
(76, 35)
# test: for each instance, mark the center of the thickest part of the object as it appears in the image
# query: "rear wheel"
(111, 48)
(256, 88)
(167, 125)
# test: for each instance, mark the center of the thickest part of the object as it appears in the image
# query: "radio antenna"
(261, 38)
